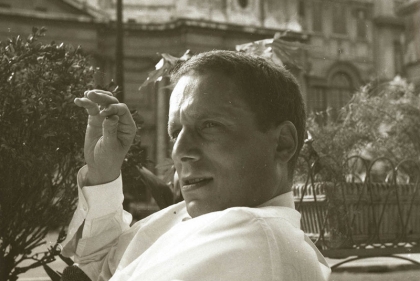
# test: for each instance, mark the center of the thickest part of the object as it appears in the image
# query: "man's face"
(221, 157)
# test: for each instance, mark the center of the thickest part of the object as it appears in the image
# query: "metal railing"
(363, 208)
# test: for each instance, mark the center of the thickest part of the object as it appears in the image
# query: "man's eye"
(208, 124)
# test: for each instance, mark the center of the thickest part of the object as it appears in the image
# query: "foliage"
(41, 146)
(41, 141)
(277, 49)
(163, 68)
(374, 140)
(379, 121)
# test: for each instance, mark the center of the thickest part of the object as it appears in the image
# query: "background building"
(350, 42)
(410, 12)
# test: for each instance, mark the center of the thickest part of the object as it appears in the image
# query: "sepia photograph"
(208, 140)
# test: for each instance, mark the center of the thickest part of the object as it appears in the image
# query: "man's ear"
(287, 141)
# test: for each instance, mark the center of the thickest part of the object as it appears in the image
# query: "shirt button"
(84, 208)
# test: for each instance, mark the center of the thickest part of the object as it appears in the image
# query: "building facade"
(410, 12)
(350, 42)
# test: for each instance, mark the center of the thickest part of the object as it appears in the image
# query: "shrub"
(41, 145)
(41, 148)
(378, 122)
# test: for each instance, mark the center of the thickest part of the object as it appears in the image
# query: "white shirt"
(240, 243)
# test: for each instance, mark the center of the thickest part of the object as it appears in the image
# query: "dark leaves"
(163, 68)
(37, 191)
(278, 49)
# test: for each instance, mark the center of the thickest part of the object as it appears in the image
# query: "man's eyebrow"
(200, 115)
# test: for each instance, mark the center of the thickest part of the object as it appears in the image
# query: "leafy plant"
(375, 131)
(163, 69)
(379, 121)
(41, 149)
(41, 145)
(278, 49)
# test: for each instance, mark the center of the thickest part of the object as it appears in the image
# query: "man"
(237, 123)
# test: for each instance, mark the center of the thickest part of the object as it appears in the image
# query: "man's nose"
(186, 147)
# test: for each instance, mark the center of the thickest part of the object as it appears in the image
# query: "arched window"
(340, 90)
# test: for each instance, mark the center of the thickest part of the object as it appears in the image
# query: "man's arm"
(100, 219)
(96, 227)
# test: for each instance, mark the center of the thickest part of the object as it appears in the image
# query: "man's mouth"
(195, 183)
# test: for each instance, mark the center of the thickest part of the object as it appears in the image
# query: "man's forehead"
(180, 88)
(208, 85)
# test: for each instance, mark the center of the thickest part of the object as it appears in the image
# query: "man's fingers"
(95, 98)
(110, 129)
(103, 98)
(98, 91)
(91, 107)
(118, 124)
(119, 109)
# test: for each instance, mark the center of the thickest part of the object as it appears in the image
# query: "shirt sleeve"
(96, 225)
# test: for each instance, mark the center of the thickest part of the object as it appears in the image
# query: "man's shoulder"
(262, 222)
(271, 214)
(247, 220)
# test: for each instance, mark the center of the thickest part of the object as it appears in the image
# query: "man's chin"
(196, 208)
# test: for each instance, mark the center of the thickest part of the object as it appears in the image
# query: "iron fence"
(363, 208)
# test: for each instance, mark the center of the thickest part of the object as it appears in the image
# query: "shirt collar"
(282, 200)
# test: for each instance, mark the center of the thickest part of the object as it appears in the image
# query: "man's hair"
(270, 91)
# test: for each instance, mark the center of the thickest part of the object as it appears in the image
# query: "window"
(339, 19)
(340, 90)
(318, 99)
(398, 58)
(361, 24)
(317, 17)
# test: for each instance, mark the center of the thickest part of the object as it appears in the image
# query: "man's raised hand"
(109, 135)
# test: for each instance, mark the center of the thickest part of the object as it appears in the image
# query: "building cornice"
(50, 16)
(228, 27)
